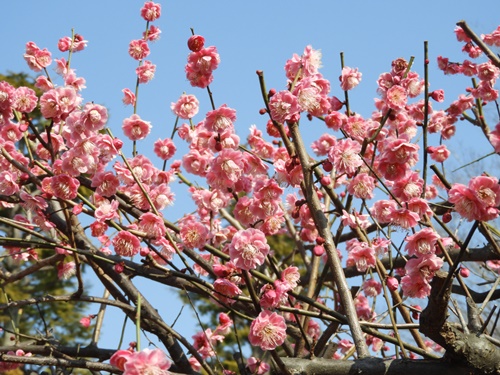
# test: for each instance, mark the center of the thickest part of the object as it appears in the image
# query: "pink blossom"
(360, 254)
(284, 107)
(257, 366)
(37, 58)
(24, 99)
(408, 187)
(153, 34)
(225, 291)
(404, 218)
(362, 186)
(307, 64)
(59, 102)
(350, 78)
(335, 120)
(164, 148)
(8, 183)
(469, 206)
(151, 11)
(147, 361)
(186, 107)
(268, 330)
(126, 244)
(372, 287)
(152, 225)
(65, 270)
(290, 277)
(128, 97)
(94, 116)
(421, 243)
(197, 162)
(74, 45)
(392, 283)
(138, 49)
(86, 321)
(226, 169)
(494, 138)
(107, 211)
(323, 144)
(363, 308)
(345, 156)
(396, 97)
(135, 128)
(193, 233)
(119, 358)
(437, 95)
(248, 248)
(200, 66)
(146, 71)
(63, 186)
(220, 119)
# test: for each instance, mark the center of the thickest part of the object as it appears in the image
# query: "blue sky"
(250, 36)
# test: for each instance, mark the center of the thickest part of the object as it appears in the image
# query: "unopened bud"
(196, 43)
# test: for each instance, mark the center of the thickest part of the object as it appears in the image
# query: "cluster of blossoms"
(202, 61)
(9, 366)
(147, 361)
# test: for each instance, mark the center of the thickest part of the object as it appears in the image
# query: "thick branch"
(373, 366)
(329, 245)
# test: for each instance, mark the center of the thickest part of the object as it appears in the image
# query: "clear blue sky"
(250, 36)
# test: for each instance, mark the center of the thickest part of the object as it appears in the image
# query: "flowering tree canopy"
(346, 254)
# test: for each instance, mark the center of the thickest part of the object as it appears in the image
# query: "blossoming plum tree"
(265, 244)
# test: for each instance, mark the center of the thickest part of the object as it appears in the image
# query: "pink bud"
(464, 272)
(196, 43)
(327, 166)
(325, 180)
(392, 283)
(318, 250)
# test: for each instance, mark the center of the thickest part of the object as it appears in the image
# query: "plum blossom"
(126, 244)
(186, 107)
(147, 361)
(350, 78)
(284, 107)
(146, 71)
(248, 248)
(138, 49)
(37, 58)
(151, 11)
(268, 330)
(135, 128)
(225, 291)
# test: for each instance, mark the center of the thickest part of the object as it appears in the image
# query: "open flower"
(248, 248)
(268, 330)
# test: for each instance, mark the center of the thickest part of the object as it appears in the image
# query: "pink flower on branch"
(186, 107)
(268, 330)
(126, 244)
(284, 107)
(146, 71)
(151, 11)
(135, 128)
(349, 78)
(248, 248)
(138, 49)
(37, 58)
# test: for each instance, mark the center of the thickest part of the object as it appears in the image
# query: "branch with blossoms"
(260, 257)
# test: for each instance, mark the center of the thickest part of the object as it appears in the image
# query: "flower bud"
(196, 43)
(318, 250)
(464, 272)
(392, 283)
